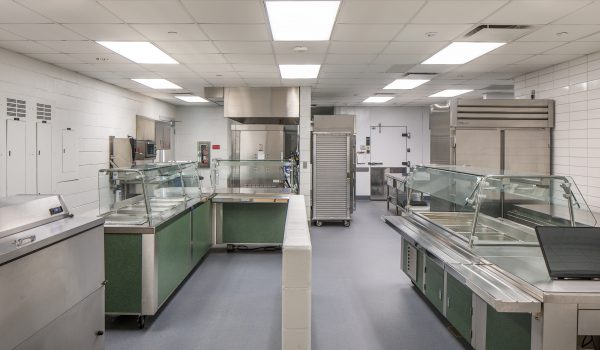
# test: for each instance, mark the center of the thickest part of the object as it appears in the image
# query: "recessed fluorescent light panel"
(159, 84)
(405, 84)
(378, 99)
(299, 71)
(450, 93)
(302, 20)
(461, 52)
(139, 52)
(191, 98)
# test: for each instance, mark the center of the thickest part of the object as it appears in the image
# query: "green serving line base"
(253, 223)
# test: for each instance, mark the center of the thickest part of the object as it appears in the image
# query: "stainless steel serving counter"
(509, 279)
(131, 223)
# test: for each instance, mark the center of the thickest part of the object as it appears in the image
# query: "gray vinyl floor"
(361, 300)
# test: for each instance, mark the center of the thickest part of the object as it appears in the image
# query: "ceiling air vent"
(44, 112)
(16, 108)
(498, 32)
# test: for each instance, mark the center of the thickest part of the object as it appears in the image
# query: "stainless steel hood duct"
(258, 105)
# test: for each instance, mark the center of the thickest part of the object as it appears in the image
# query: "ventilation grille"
(16, 108)
(44, 112)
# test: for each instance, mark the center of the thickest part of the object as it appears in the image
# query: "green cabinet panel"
(506, 330)
(123, 269)
(173, 255)
(420, 277)
(459, 306)
(201, 231)
(254, 222)
(434, 283)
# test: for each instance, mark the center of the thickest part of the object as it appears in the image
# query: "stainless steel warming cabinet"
(51, 275)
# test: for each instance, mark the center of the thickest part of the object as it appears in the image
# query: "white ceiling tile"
(349, 59)
(585, 15)
(499, 59)
(593, 37)
(25, 46)
(99, 58)
(534, 12)
(141, 74)
(262, 81)
(199, 58)
(165, 67)
(300, 58)
(378, 11)
(575, 48)
(451, 11)
(256, 68)
(142, 11)
(250, 58)
(75, 46)
(412, 47)
(176, 75)
(286, 47)
(549, 32)
(120, 67)
(236, 32)
(4, 35)
(350, 47)
(219, 75)
(167, 32)
(102, 75)
(365, 32)
(547, 60)
(432, 32)
(225, 11)
(41, 31)
(11, 12)
(400, 59)
(188, 47)
(525, 48)
(246, 47)
(54, 57)
(71, 11)
(84, 67)
(377, 68)
(106, 32)
(354, 68)
(227, 82)
(259, 75)
(210, 68)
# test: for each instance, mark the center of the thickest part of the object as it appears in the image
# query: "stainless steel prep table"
(51, 276)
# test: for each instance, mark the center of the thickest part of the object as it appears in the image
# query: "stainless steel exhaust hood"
(258, 105)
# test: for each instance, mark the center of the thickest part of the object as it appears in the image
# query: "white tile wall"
(575, 86)
(95, 110)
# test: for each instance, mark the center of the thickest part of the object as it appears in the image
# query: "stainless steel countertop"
(45, 235)
(253, 195)
(510, 278)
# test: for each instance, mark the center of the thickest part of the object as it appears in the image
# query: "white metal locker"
(15, 157)
(44, 158)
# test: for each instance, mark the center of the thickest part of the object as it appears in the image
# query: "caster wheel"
(230, 248)
(141, 321)
(347, 223)
(319, 223)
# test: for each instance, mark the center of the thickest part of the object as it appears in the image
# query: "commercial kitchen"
(277, 174)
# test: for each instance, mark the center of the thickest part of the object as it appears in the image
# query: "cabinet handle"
(440, 294)
(39, 152)
(448, 304)
(9, 152)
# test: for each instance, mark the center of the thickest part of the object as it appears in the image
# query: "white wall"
(94, 110)
(416, 119)
(575, 86)
(201, 123)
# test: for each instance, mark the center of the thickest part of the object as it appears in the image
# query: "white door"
(15, 157)
(387, 155)
(69, 154)
(479, 148)
(44, 158)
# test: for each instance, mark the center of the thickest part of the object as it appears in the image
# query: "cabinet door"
(434, 283)
(173, 245)
(527, 151)
(477, 148)
(458, 306)
(15, 157)
(201, 231)
(69, 152)
(44, 158)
